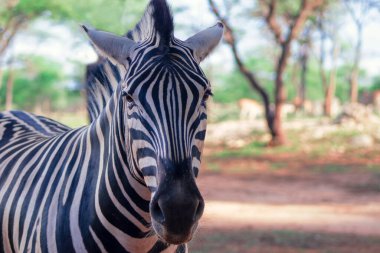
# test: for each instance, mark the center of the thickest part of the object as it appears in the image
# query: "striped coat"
(125, 183)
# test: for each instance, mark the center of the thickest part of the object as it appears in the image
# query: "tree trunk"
(354, 85)
(330, 92)
(307, 7)
(269, 115)
(9, 91)
(322, 69)
(328, 100)
(304, 67)
(250, 76)
(278, 137)
(297, 66)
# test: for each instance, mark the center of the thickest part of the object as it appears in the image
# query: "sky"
(67, 46)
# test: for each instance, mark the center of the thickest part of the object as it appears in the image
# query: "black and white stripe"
(126, 183)
(102, 78)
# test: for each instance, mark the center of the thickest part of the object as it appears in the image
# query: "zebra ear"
(205, 41)
(115, 48)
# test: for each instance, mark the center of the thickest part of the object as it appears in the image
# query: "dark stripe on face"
(166, 117)
(149, 171)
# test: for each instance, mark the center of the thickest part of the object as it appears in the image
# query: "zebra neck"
(120, 196)
(114, 147)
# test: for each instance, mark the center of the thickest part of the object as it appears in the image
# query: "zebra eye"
(128, 97)
(207, 95)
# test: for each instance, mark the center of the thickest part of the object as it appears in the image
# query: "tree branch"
(9, 31)
(250, 76)
(230, 39)
(308, 6)
(271, 20)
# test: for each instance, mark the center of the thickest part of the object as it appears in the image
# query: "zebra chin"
(173, 237)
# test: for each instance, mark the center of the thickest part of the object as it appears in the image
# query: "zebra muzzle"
(176, 209)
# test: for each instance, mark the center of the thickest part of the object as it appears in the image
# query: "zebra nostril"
(157, 213)
(199, 211)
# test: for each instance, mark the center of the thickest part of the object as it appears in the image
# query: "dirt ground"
(291, 203)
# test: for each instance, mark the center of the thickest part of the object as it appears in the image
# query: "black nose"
(176, 210)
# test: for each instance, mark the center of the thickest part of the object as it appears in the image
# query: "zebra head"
(164, 94)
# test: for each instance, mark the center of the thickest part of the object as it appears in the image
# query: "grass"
(332, 168)
(335, 142)
(213, 167)
(259, 148)
(275, 166)
(255, 148)
(375, 168)
(344, 168)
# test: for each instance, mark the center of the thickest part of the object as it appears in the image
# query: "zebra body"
(70, 223)
(125, 183)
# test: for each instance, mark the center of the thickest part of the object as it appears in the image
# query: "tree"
(284, 40)
(10, 22)
(9, 88)
(328, 29)
(233, 86)
(375, 84)
(249, 75)
(16, 15)
(107, 15)
(303, 61)
(294, 18)
(38, 85)
(358, 10)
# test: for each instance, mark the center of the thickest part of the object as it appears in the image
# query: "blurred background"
(292, 156)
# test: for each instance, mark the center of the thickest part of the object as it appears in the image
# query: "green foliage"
(289, 8)
(115, 16)
(39, 83)
(232, 86)
(375, 84)
(343, 84)
(102, 14)
(314, 89)
(255, 148)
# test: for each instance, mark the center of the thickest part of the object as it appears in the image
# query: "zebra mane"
(157, 21)
(102, 78)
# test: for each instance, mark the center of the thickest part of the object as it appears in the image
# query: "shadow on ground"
(281, 241)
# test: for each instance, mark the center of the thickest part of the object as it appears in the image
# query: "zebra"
(102, 78)
(126, 182)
